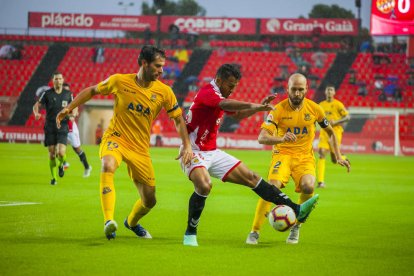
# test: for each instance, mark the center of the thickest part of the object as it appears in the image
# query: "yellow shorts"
(324, 138)
(140, 167)
(283, 166)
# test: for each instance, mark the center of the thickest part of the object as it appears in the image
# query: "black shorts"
(54, 136)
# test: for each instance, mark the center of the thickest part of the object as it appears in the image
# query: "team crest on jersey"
(64, 103)
(307, 117)
(269, 119)
(153, 97)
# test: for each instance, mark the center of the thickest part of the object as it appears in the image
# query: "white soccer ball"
(282, 217)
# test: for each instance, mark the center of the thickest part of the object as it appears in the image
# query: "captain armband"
(324, 123)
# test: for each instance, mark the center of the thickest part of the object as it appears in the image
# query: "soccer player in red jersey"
(203, 121)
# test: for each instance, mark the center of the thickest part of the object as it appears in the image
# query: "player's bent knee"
(150, 203)
(203, 189)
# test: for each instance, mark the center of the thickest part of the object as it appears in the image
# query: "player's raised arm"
(84, 96)
(243, 109)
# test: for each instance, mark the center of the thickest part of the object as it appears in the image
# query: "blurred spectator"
(98, 53)
(304, 69)
(366, 47)
(296, 57)
(10, 52)
(391, 88)
(181, 55)
(147, 36)
(277, 86)
(174, 35)
(381, 58)
(221, 51)
(265, 40)
(352, 76)
(171, 72)
(347, 44)
(362, 89)
(284, 71)
(192, 38)
(313, 81)
(192, 82)
(157, 131)
(98, 134)
(319, 59)
(379, 83)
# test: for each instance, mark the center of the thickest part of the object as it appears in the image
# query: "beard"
(296, 100)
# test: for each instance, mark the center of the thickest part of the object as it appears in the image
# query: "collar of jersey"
(215, 87)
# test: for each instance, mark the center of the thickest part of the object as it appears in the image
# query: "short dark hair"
(57, 73)
(149, 53)
(229, 69)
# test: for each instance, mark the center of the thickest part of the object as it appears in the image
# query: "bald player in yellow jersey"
(337, 115)
(290, 128)
(139, 99)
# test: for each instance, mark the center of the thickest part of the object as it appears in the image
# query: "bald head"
(297, 78)
(297, 89)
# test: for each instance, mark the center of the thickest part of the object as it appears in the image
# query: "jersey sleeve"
(321, 117)
(342, 110)
(210, 100)
(108, 86)
(42, 98)
(270, 124)
(171, 105)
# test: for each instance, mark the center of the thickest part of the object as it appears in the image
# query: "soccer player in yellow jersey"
(290, 128)
(139, 98)
(337, 115)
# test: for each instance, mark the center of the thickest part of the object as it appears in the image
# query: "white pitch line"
(16, 203)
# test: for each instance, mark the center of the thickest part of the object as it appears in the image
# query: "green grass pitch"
(363, 224)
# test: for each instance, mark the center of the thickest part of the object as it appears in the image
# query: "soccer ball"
(282, 217)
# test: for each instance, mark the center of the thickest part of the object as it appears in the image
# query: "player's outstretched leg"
(110, 229)
(306, 208)
(138, 230)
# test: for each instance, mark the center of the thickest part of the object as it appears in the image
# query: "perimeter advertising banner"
(286, 26)
(392, 17)
(58, 20)
(193, 24)
(210, 25)
(205, 25)
(351, 143)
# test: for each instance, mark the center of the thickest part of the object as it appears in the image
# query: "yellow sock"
(321, 170)
(138, 211)
(107, 191)
(344, 157)
(262, 208)
(303, 197)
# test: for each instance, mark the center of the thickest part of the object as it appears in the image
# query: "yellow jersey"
(300, 122)
(334, 110)
(135, 108)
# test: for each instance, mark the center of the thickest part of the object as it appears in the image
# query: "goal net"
(379, 131)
